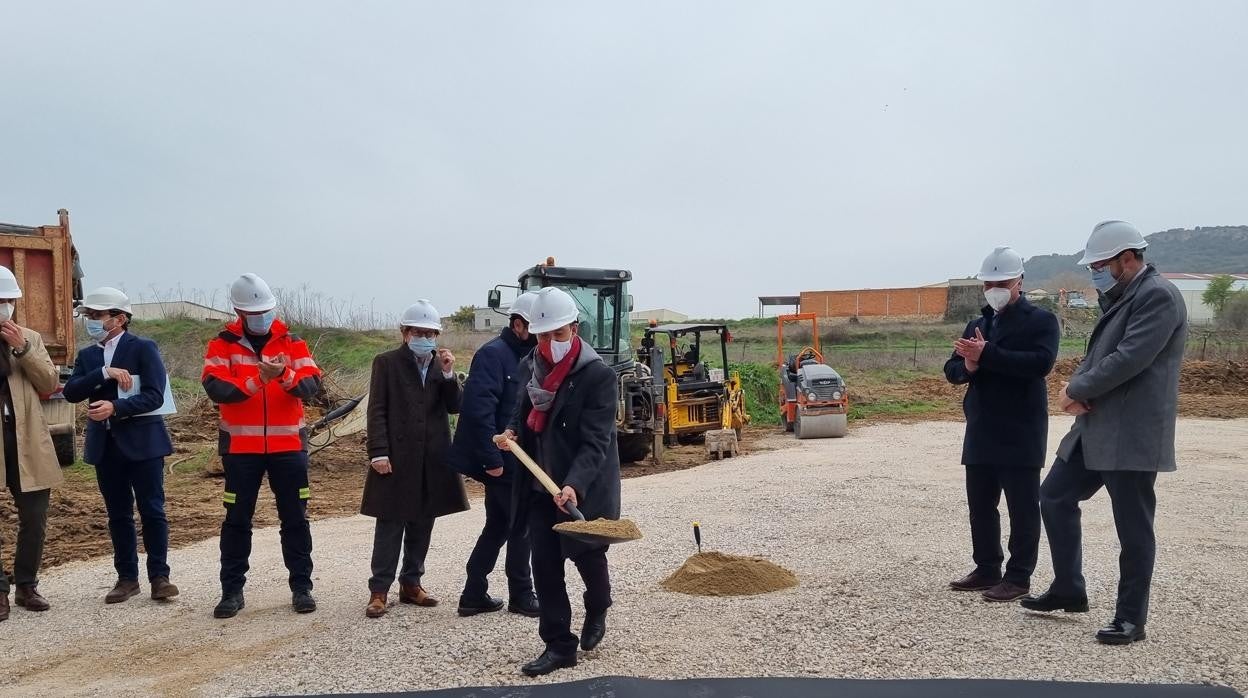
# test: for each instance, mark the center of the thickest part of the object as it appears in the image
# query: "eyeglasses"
(422, 332)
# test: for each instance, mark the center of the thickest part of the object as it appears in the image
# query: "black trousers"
(555, 623)
(32, 517)
(1134, 503)
(390, 537)
(501, 529)
(984, 485)
(288, 478)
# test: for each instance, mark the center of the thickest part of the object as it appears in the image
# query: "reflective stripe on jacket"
(257, 417)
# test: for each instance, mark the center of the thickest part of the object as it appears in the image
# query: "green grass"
(892, 408)
(348, 350)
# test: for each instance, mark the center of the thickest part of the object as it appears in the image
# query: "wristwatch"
(19, 353)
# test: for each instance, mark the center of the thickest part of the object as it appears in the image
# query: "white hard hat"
(8, 284)
(553, 309)
(1110, 239)
(523, 306)
(251, 294)
(1002, 265)
(106, 298)
(422, 314)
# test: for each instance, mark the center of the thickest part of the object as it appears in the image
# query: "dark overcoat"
(408, 421)
(578, 447)
(1007, 401)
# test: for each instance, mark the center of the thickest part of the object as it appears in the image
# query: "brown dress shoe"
(4, 607)
(28, 596)
(416, 595)
(1006, 591)
(376, 605)
(163, 589)
(974, 582)
(122, 591)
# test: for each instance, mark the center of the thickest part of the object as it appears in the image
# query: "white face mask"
(6, 312)
(998, 298)
(558, 349)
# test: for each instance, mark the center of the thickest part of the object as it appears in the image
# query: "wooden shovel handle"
(534, 468)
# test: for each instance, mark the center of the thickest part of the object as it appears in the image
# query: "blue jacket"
(1007, 403)
(134, 438)
(490, 394)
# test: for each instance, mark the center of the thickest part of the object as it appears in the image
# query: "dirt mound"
(720, 574)
(1214, 378)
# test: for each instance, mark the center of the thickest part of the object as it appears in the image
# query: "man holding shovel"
(566, 418)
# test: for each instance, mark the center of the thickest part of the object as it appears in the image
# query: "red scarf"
(558, 372)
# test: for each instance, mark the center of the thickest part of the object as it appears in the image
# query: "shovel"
(554, 490)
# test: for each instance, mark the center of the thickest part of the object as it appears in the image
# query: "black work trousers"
(555, 622)
(984, 485)
(288, 478)
(1134, 504)
(501, 528)
(32, 517)
(391, 537)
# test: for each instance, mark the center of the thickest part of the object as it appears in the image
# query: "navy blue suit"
(128, 451)
(490, 395)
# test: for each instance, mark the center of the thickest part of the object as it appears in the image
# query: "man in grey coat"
(1125, 400)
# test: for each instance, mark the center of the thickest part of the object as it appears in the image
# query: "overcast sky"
(386, 151)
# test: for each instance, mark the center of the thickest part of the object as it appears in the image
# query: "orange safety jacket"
(258, 417)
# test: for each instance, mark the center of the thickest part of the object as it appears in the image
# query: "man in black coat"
(566, 419)
(490, 395)
(1004, 356)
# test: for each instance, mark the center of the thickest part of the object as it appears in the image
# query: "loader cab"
(602, 297)
(700, 396)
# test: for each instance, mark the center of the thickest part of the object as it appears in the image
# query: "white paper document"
(166, 408)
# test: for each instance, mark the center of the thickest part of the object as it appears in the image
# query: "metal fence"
(925, 355)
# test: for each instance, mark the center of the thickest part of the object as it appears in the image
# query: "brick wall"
(877, 303)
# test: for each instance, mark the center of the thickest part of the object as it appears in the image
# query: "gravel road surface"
(874, 525)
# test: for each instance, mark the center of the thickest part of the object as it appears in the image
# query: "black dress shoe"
(1120, 632)
(593, 630)
(1048, 601)
(229, 606)
(547, 663)
(303, 602)
(485, 604)
(525, 606)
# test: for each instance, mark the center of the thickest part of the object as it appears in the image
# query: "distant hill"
(1213, 250)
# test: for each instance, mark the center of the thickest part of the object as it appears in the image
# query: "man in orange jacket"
(259, 374)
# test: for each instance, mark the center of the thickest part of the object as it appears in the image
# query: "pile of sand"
(719, 574)
(621, 530)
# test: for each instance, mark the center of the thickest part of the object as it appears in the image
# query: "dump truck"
(46, 265)
(604, 303)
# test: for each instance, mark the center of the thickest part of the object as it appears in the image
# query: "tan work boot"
(163, 589)
(28, 596)
(123, 590)
(376, 604)
(4, 607)
(416, 595)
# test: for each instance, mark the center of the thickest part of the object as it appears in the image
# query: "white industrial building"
(485, 319)
(1193, 286)
(659, 315)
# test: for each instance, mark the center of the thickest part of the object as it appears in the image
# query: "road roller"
(814, 403)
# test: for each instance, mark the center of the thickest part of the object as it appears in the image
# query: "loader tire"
(66, 449)
(633, 448)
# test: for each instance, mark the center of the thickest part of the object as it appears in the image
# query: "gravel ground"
(873, 524)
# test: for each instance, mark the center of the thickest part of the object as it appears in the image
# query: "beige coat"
(33, 374)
